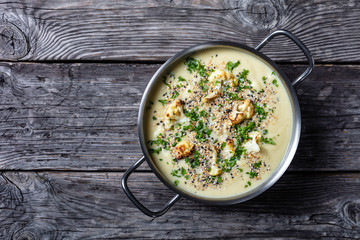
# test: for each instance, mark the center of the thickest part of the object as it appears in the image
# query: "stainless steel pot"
(294, 139)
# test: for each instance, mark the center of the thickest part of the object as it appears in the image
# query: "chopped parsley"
(163, 102)
(203, 113)
(175, 94)
(230, 65)
(176, 182)
(227, 87)
(223, 145)
(257, 164)
(175, 173)
(275, 83)
(167, 84)
(243, 132)
(264, 79)
(195, 161)
(252, 173)
(153, 118)
(160, 142)
(267, 140)
(233, 96)
(157, 151)
(244, 74)
(192, 115)
(194, 65)
(260, 112)
(181, 79)
(201, 131)
(203, 85)
(227, 164)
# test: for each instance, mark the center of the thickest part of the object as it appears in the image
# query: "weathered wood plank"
(84, 116)
(156, 30)
(54, 205)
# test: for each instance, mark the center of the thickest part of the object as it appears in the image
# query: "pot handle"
(141, 207)
(297, 41)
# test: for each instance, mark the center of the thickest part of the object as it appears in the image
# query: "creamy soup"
(219, 124)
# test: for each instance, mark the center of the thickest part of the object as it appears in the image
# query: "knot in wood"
(5, 80)
(13, 42)
(35, 230)
(351, 213)
(28, 130)
(25, 236)
(9, 85)
(11, 195)
(264, 14)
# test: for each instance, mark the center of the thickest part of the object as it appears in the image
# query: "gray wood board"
(60, 205)
(155, 30)
(84, 116)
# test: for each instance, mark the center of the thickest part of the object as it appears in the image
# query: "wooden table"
(72, 74)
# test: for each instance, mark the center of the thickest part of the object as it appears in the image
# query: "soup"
(219, 124)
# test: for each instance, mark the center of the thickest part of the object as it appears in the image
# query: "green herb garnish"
(275, 83)
(203, 113)
(257, 164)
(160, 142)
(192, 115)
(176, 182)
(233, 96)
(267, 140)
(181, 79)
(157, 151)
(230, 65)
(252, 173)
(194, 65)
(223, 145)
(244, 74)
(260, 112)
(175, 94)
(163, 102)
(175, 173)
(167, 84)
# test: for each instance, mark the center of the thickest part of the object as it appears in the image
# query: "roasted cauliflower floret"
(213, 93)
(173, 113)
(220, 75)
(215, 170)
(216, 81)
(175, 109)
(241, 110)
(252, 145)
(183, 149)
(228, 150)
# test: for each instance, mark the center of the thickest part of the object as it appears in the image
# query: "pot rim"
(293, 142)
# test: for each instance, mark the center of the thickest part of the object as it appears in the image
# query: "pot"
(289, 154)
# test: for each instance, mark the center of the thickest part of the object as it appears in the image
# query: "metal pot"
(289, 154)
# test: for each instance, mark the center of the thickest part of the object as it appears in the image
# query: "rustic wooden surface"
(72, 74)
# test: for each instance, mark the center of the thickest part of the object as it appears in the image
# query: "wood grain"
(72, 74)
(84, 116)
(59, 205)
(153, 31)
